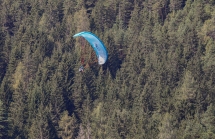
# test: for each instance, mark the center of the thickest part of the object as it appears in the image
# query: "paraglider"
(81, 69)
(96, 44)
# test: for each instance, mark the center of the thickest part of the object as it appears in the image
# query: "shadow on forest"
(113, 67)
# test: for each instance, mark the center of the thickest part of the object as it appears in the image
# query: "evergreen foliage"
(158, 82)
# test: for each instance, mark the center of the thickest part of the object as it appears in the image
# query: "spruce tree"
(4, 125)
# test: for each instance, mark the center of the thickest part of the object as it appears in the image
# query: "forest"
(158, 81)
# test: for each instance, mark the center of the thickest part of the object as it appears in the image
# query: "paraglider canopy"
(97, 45)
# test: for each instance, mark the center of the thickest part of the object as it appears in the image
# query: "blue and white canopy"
(97, 45)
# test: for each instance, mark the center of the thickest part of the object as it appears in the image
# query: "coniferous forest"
(158, 82)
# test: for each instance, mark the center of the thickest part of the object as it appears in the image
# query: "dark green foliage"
(158, 82)
(4, 122)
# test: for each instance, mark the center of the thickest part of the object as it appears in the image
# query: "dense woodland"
(158, 82)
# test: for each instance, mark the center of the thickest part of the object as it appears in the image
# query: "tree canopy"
(158, 81)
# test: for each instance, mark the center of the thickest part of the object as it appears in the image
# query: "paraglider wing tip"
(80, 33)
(101, 60)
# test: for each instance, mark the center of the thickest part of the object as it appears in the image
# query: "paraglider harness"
(81, 69)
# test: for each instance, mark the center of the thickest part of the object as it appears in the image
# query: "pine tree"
(207, 122)
(68, 126)
(3, 58)
(176, 5)
(124, 12)
(40, 127)
(106, 17)
(3, 122)
(18, 111)
(166, 128)
(82, 21)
